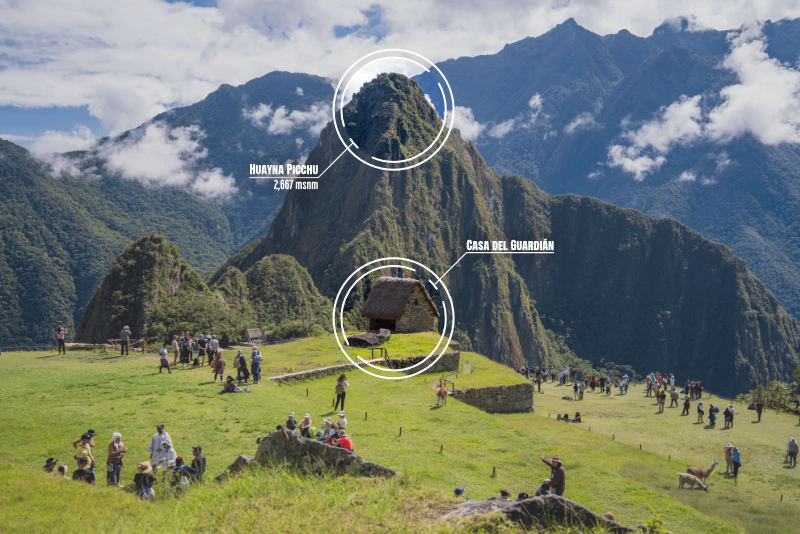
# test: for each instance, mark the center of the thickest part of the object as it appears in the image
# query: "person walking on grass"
(163, 355)
(700, 412)
(255, 364)
(737, 463)
(61, 334)
(176, 350)
(791, 452)
(341, 390)
(558, 477)
(156, 447)
(218, 366)
(124, 340)
(116, 449)
(759, 409)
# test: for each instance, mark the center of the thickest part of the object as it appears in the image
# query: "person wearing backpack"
(255, 364)
(341, 390)
(144, 480)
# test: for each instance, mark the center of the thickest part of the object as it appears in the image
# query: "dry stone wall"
(499, 399)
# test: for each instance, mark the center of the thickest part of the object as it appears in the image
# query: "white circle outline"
(449, 90)
(444, 329)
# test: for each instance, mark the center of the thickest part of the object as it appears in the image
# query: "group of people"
(332, 432)
(162, 455)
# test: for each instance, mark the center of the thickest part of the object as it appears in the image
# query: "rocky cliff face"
(620, 287)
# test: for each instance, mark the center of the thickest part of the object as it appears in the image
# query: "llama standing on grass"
(703, 473)
(441, 395)
(687, 478)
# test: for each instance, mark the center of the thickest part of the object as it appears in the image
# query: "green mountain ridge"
(621, 287)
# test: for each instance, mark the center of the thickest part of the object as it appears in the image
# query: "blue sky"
(79, 74)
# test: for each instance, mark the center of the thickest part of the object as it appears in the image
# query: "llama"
(688, 478)
(703, 473)
(441, 396)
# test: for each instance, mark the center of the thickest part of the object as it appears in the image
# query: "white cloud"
(500, 130)
(130, 60)
(764, 103)
(535, 103)
(582, 121)
(53, 141)
(157, 155)
(282, 121)
(465, 121)
(299, 91)
(687, 176)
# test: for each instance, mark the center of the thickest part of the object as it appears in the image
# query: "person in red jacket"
(344, 441)
(558, 478)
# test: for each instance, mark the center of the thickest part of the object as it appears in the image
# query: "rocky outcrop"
(541, 513)
(499, 399)
(242, 462)
(283, 447)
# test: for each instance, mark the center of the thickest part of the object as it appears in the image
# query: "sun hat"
(91, 433)
(556, 458)
(341, 414)
(86, 436)
(307, 415)
(179, 460)
(291, 414)
(116, 435)
(144, 468)
(197, 448)
(505, 493)
(49, 462)
(546, 481)
(160, 425)
(166, 444)
(83, 460)
(458, 492)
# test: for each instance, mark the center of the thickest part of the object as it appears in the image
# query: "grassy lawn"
(49, 401)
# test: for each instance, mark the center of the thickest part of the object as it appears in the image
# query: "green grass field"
(49, 401)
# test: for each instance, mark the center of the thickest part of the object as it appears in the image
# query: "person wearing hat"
(91, 433)
(156, 447)
(202, 343)
(305, 426)
(460, 492)
(558, 477)
(163, 356)
(60, 335)
(212, 347)
(544, 489)
(342, 421)
(255, 364)
(505, 494)
(49, 465)
(199, 461)
(218, 366)
(83, 473)
(343, 441)
(83, 449)
(291, 424)
(124, 340)
(182, 474)
(144, 481)
(116, 449)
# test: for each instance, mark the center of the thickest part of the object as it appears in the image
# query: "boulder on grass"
(239, 464)
(541, 513)
(364, 339)
(283, 447)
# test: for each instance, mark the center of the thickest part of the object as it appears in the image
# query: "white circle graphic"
(338, 322)
(448, 113)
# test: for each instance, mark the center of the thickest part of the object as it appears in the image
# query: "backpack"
(339, 389)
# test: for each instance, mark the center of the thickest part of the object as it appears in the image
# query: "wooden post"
(494, 471)
(781, 497)
(365, 416)
(441, 448)
(640, 446)
(670, 457)
(399, 434)
(306, 392)
(613, 437)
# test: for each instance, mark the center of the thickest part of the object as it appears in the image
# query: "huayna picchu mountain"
(621, 287)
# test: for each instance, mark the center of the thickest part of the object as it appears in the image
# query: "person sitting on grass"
(344, 441)
(83, 473)
(505, 494)
(62, 471)
(50, 465)
(577, 418)
(459, 493)
(291, 424)
(231, 387)
(182, 474)
(144, 481)
(305, 426)
(544, 489)
(565, 417)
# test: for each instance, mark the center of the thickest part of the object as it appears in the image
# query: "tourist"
(156, 447)
(182, 474)
(144, 481)
(199, 461)
(521, 496)
(730, 410)
(728, 459)
(231, 387)
(791, 451)
(539, 382)
(544, 489)
(557, 475)
(575, 390)
(291, 423)
(737, 462)
(700, 412)
(581, 389)
(62, 471)
(673, 397)
(565, 417)
(202, 344)
(686, 406)
(460, 492)
(124, 340)
(91, 433)
(163, 355)
(83, 449)
(116, 449)
(343, 440)
(176, 350)
(255, 364)
(305, 426)
(83, 473)
(341, 390)
(577, 418)
(245, 374)
(49, 465)
(218, 366)
(505, 494)
(712, 415)
(60, 335)
(759, 409)
(212, 348)
(342, 423)
(186, 349)
(167, 459)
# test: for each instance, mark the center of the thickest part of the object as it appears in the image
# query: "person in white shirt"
(156, 447)
(342, 421)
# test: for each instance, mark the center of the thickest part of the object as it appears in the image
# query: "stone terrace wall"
(499, 399)
(448, 362)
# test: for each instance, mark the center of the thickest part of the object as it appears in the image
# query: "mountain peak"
(391, 118)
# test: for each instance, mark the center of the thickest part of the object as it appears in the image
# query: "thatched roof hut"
(401, 305)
